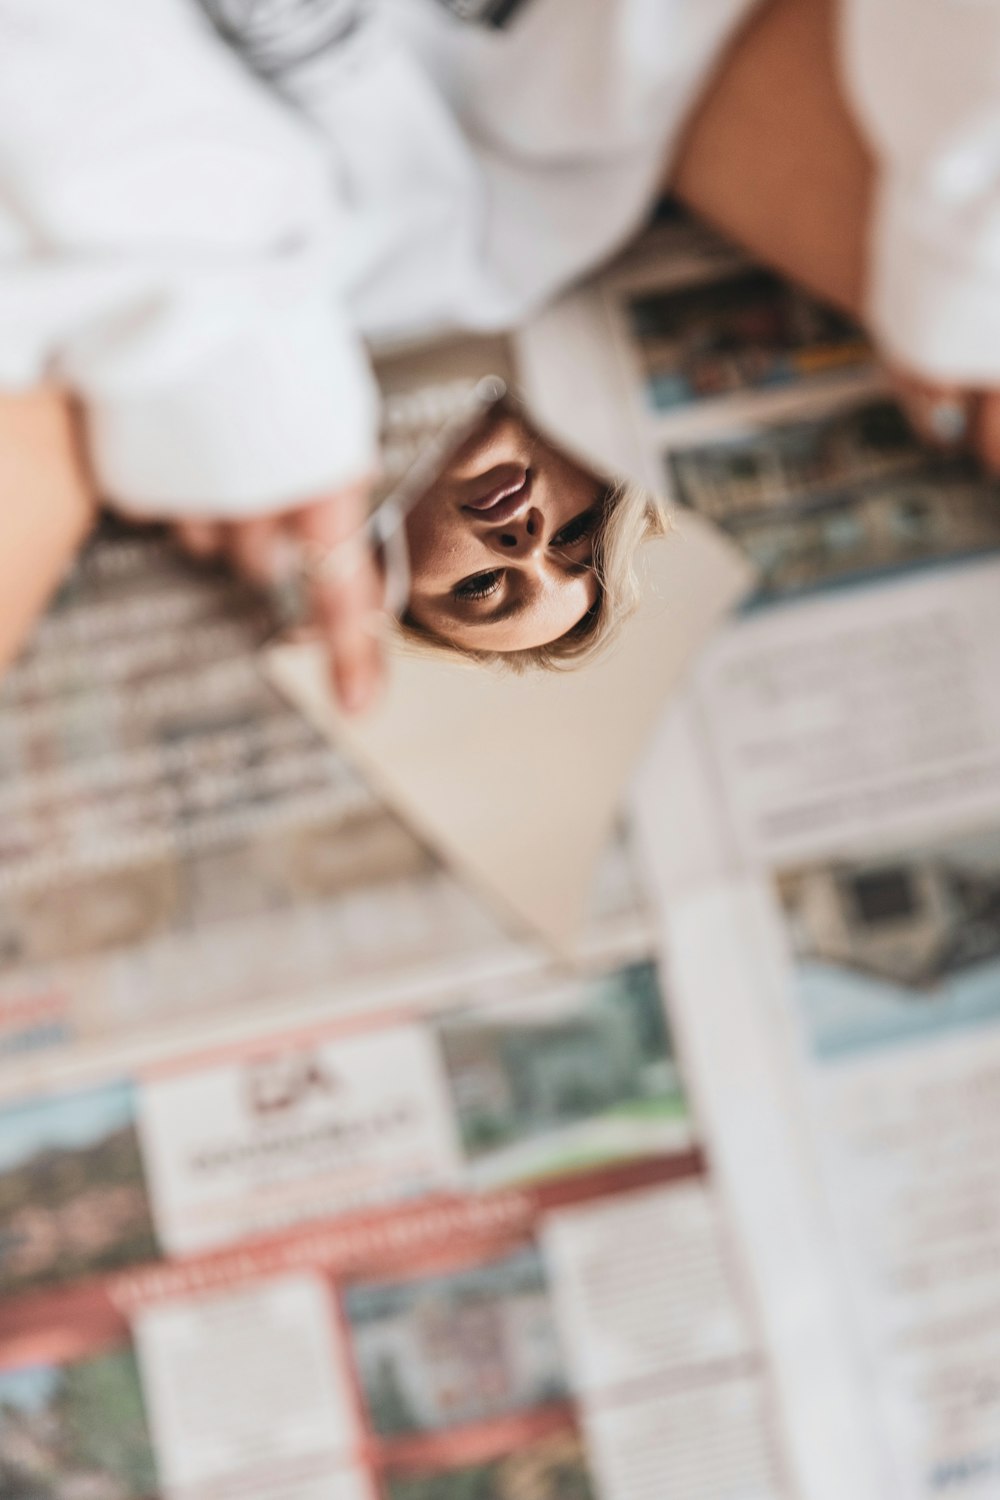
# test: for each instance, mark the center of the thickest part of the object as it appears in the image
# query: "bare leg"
(772, 157)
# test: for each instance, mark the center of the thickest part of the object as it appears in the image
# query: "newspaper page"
(314, 1181)
(822, 818)
(460, 1249)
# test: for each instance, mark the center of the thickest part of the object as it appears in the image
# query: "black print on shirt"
(276, 36)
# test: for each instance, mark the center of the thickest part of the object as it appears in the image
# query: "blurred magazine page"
(821, 814)
(462, 1244)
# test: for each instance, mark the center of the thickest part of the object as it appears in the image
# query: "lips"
(501, 494)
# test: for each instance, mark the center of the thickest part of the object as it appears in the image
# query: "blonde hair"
(630, 516)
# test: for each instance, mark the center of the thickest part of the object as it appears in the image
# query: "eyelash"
(576, 530)
(481, 586)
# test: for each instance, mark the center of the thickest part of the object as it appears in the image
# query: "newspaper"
(175, 840)
(821, 815)
(315, 1180)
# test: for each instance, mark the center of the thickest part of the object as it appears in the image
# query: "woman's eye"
(574, 531)
(479, 586)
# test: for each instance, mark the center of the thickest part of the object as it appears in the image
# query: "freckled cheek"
(425, 550)
(436, 551)
(435, 570)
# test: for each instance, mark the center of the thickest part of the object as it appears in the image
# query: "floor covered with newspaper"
(319, 1183)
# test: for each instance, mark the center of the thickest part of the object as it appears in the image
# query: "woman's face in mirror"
(501, 546)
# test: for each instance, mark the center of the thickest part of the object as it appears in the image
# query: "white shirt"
(207, 208)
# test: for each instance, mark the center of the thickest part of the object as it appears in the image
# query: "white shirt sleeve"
(924, 76)
(168, 236)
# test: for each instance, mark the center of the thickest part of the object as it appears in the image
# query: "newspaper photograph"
(512, 1083)
(745, 332)
(843, 498)
(898, 944)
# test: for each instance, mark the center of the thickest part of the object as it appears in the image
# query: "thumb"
(346, 597)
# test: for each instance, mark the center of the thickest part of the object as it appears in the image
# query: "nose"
(517, 539)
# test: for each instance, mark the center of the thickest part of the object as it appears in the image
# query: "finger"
(253, 548)
(940, 415)
(347, 598)
(202, 539)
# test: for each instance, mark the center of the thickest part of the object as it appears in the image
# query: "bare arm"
(772, 157)
(46, 507)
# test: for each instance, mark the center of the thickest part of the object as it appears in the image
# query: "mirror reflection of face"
(501, 546)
